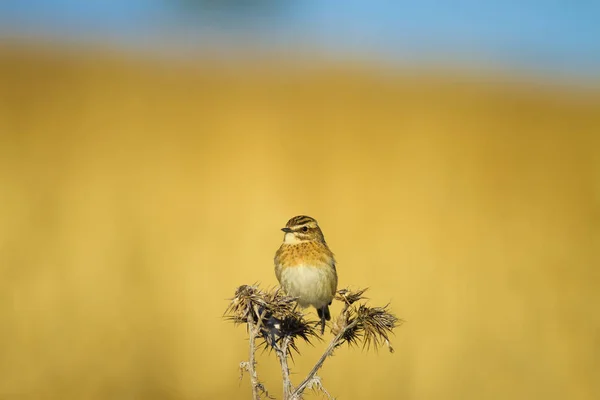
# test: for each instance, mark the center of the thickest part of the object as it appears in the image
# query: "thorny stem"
(252, 361)
(282, 354)
(297, 394)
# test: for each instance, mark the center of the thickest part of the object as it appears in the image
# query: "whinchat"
(305, 267)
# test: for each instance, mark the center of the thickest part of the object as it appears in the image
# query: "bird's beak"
(287, 230)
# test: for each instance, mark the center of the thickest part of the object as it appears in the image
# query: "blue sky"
(552, 35)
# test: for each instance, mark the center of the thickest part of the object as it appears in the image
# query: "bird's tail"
(324, 315)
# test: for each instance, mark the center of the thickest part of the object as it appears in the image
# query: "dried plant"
(273, 318)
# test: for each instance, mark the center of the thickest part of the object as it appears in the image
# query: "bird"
(305, 266)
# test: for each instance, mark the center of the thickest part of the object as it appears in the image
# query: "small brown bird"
(305, 267)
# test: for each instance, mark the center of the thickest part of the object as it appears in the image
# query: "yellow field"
(136, 196)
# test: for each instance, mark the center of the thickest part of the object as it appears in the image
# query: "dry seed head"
(349, 297)
(273, 313)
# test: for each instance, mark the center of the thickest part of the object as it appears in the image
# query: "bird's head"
(302, 229)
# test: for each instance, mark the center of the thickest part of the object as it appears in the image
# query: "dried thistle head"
(358, 323)
(350, 297)
(272, 313)
(377, 324)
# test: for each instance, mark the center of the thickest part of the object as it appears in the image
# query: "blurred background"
(151, 150)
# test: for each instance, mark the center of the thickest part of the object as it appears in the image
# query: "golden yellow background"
(136, 195)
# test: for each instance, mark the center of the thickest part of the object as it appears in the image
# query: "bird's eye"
(305, 229)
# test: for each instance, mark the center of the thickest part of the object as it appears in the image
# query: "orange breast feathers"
(309, 253)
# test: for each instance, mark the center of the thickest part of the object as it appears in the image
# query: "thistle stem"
(282, 354)
(337, 340)
(252, 361)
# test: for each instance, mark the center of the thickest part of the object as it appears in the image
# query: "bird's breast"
(311, 284)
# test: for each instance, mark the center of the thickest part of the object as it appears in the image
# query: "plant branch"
(335, 342)
(252, 330)
(282, 354)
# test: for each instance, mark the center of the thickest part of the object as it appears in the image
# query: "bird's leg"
(321, 312)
